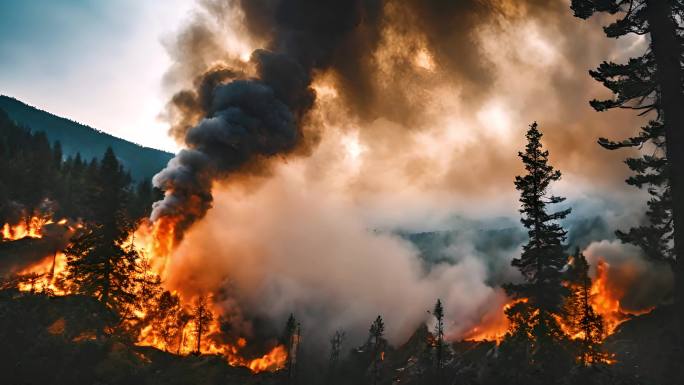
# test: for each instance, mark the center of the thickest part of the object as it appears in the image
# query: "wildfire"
(43, 276)
(494, 326)
(155, 243)
(31, 227)
(185, 343)
(274, 360)
(605, 299)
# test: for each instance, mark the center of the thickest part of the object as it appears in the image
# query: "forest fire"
(30, 227)
(494, 326)
(193, 329)
(605, 300)
(173, 321)
(44, 276)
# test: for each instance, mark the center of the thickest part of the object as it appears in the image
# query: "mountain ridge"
(75, 137)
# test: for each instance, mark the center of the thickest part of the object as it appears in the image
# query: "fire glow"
(605, 297)
(154, 242)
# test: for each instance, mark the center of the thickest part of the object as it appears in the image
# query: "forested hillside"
(143, 162)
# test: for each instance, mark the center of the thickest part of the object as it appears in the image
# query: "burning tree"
(584, 323)
(201, 316)
(98, 263)
(168, 319)
(542, 258)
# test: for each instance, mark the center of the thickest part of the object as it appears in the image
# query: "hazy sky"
(96, 62)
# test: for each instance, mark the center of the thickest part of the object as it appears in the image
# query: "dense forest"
(141, 162)
(84, 296)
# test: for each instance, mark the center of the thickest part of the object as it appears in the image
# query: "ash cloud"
(244, 122)
(431, 98)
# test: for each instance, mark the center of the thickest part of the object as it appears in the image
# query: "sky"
(100, 63)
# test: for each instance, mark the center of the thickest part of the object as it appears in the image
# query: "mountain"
(143, 162)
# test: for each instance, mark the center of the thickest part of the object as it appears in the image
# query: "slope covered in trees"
(142, 162)
(37, 177)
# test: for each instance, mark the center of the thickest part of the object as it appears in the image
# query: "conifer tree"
(584, 321)
(165, 317)
(98, 263)
(201, 316)
(376, 332)
(438, 313)
(335, 349)
(543, 257)
(290, 339)
(651, 82)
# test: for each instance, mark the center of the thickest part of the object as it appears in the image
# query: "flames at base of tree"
(154, 243)
(493, 327)
(604, 299)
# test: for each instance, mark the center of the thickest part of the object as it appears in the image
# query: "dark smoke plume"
(245, 121)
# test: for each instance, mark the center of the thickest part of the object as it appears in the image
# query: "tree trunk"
(199, 332)
(667, 53)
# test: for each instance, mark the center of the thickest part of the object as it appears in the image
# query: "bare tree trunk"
(199, 332)
(667, 53)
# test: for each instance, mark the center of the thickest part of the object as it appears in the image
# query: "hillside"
(143, 162)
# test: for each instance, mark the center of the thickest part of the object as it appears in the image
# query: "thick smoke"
(406, 112)
(245, 121)
(314, 256)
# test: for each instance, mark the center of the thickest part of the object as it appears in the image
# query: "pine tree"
(438, 313)
(201, 316)
(377, 344)
(166, 316)
(290, 340)
(584, 321)
(335, 349)
(98, 264)
(651, 82)
(542, 258)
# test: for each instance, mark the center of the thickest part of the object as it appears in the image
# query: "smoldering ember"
(342, 192)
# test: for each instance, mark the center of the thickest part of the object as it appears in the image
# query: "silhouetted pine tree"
(438, 313)
(651, 82)
(377, 344)
(98, 263)
(290, 339)
(201, 316)
(335, 349)
(543, 257)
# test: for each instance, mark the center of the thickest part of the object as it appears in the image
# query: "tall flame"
(30, 227)
(605, 299)
(155, 242)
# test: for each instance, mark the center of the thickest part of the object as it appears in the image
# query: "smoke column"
(247, 121)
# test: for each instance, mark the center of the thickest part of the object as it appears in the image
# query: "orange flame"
(31, 227)
(605, 299)
(494, 326)
(155, 243)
